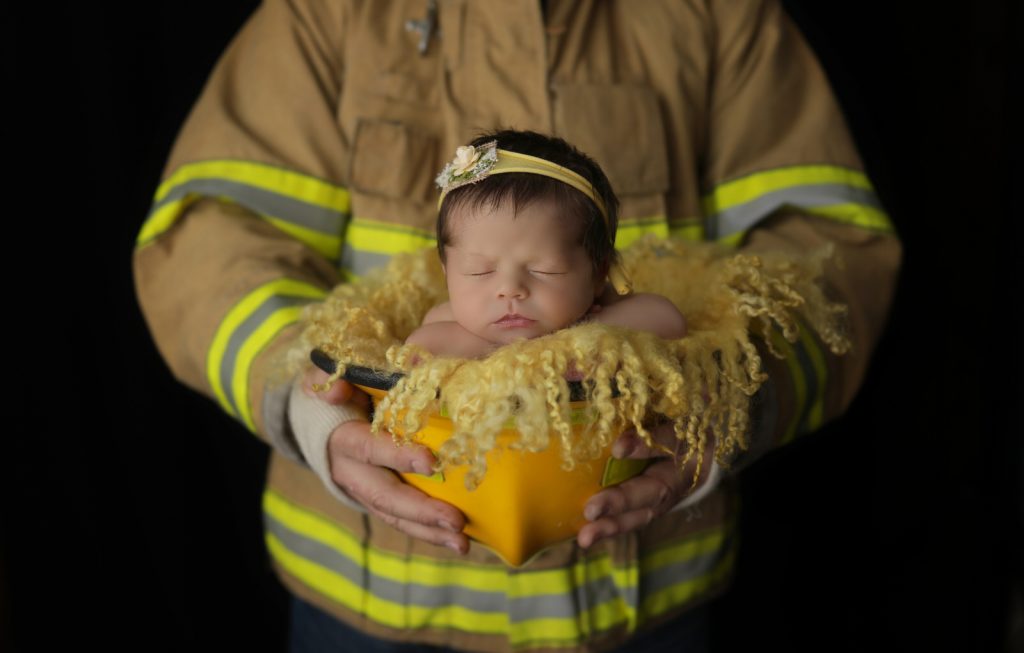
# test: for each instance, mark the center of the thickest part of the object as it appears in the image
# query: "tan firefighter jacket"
(308, 160)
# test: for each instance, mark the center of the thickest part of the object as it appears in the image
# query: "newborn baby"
(525, 232)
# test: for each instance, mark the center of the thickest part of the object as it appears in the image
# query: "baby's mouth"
(513, 321)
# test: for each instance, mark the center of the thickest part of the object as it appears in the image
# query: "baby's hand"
(645, 312)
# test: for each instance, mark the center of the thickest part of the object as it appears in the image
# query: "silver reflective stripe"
(678, 572)
(596, 592)
(242, 333)
(389, 590)
(543, 606)
(588, 595)
(742, 217)
(327, 221)
(811, 382)
(360, 262)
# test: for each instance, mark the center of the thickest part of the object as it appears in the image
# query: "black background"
(131, 512)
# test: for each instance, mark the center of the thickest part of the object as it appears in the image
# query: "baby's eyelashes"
(548, 273)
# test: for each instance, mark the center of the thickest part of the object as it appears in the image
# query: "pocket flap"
(620, 126)
(390, 159)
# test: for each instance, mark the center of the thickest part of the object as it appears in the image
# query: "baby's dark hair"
(522, 188)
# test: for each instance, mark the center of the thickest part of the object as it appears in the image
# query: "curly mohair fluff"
(701, 383)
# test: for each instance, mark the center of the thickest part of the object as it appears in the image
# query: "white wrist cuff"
(313, 420)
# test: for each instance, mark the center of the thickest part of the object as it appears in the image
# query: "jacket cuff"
(705, 488)
(276, 425)
(312, 421)
(764, 425)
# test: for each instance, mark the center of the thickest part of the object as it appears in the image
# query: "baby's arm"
(644, 312)
(441, 335)
(440, 313)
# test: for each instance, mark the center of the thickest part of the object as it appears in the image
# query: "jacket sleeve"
(782, 173)
(246, 226)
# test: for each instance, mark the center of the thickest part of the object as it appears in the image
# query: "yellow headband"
(473, 164)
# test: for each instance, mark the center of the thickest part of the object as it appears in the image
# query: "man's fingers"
(631, 504)
(595, 531)
(339, 393)
(648, 490)
(457, 542)
(399, 505)
(361, 464)
(631, 445)
(634, 503)
(384, 493)
(609, 526)
(354, 441)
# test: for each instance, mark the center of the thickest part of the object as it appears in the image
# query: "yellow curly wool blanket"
(701, 383)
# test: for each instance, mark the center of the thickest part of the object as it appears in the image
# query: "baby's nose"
(513, 287)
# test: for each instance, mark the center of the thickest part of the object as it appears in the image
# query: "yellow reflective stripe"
(427, 571)
(608, 614)
(278, 180)
(859, 215)
(740, 191)
(161, 220)
(796, 374)
(601, 617)
(559, 632)
(164, 217)
(253, 340)
(386, 238)
(348, 276)
(678, 593)
(261, 188)
(631, 230)
(327, 246)
(551, 581)
(386, 565)
(732, 240)
(830, 192)
(254, 344)
(680, 552)
(388, 613)
(816, 415)
(689, 232)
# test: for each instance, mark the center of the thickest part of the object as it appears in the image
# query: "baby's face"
(517, 277)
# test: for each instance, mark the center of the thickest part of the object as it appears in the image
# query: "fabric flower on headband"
(470, 164)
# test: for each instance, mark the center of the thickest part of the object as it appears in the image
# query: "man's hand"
(362, 464)
(634, 503)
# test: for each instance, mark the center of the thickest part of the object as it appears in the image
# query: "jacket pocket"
(392, 160)
(620, 126)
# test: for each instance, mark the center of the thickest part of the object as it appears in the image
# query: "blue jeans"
(315, 631)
